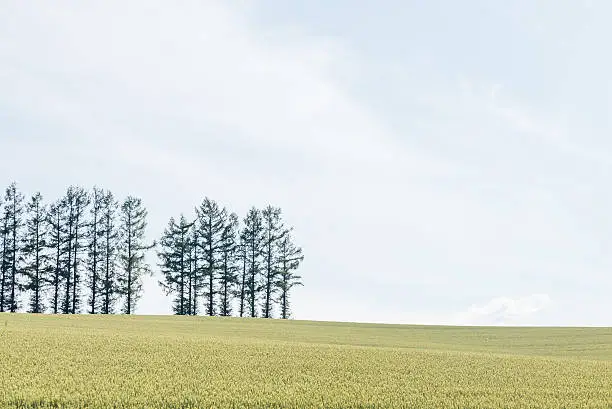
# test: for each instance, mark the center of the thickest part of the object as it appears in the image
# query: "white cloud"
(505, 311)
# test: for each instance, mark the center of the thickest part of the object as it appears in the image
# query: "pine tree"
(95, 248)
(274, 231)
(211, 221)
(14, 213)
(76, 201)
(289, 259)
(228, 276)
(174, 253)
(68, 230)
(55, 217)
(4, 260)
(132, 252)
(80, 224)
(35, 254)
(110, 237)
(253, 239)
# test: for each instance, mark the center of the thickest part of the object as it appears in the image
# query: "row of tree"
(50, 253)
(86, 251)
(251, 267)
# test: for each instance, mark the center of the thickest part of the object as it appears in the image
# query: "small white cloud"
(504, 310)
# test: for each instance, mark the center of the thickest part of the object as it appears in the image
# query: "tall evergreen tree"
(68, 230)
(35, 254)
(110, 237)
(80, 224)
(228, 276)
(132, 252)
(174, 253)
(289, 259)
(4, 260)
(14, 213)
(55, 218)
(273, 231)
(95, 248)
(76, 201)
(211, 222)
(253, 239)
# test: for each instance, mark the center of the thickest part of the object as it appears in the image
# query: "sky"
(441, 162)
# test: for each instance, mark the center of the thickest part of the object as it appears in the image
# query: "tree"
(132, 252)
(174, 254)
(14, 214)
(289, 259)
(80, 223)
(273, 231)
(110, 237)
(95, 248)
(228, 276)
(4, 260)
(252, 237)
(211, 221)
(76, 200)
(68, 230)
(56, 245)
(35, 254)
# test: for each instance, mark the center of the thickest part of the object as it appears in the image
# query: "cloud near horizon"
(505, 310)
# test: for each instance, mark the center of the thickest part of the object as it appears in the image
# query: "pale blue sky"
(442, 162)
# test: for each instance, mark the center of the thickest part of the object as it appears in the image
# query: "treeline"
(249, 267)
(51, 253)
(85, 252)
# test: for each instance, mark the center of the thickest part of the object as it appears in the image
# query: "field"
(186, 362)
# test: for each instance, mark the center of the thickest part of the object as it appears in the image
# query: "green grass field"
(186, 362)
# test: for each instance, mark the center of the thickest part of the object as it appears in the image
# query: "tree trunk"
(69, 271)
(107, 272)
(37, 268)
(195, 277)
(94, 278)
(129, 267)
(285, 284)
(243, 283)
(3, 266)
(182, 293)
(268, 280)
(253, 284)
(189, 299)
(56, 279)
(76, 261)
(14, 267)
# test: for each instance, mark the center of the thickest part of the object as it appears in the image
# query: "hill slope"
(172, 362)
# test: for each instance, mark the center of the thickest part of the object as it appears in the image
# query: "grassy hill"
(182, 362)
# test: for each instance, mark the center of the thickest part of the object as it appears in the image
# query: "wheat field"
(195, 362)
